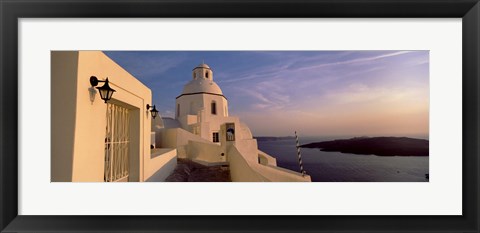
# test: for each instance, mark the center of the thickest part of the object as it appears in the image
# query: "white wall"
(192, 104)
(162, 163)
(90, 116)
(266, 159)
(242, 154)
(64, 67)
(221, 102)
(207, 152)
(175, 137)
(244, 169)
(240, 169)
(189, 105)
(191, 146)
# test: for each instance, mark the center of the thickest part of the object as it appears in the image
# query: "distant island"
(381, 146)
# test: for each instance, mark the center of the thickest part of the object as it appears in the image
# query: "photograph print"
(240, 116)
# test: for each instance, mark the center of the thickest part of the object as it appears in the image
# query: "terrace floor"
(189, 171)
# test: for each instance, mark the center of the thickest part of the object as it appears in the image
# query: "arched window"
(206, 74)
(178, 110)
(214, 108)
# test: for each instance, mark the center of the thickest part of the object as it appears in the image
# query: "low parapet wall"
(191, 146)
(208, 152)
(160, 165)
(246, 170)
(266, 159)
(176, 137)
(240, 170)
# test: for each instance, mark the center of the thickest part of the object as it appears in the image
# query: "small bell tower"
(202, 71)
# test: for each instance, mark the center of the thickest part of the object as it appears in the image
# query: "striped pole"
(299, 156)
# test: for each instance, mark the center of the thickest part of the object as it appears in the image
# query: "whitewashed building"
(204, 132)
(93, 140)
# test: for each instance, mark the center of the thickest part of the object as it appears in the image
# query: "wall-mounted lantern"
(106, 91)
(154, 111)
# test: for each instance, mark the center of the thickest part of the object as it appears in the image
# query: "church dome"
(201, 86)
(203, 65)
(202, 81)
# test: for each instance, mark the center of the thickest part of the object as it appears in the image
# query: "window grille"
(117, 141)
(215, 137)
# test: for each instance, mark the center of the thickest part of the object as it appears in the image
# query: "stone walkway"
(188, 171)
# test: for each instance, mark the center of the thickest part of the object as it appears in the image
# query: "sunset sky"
(317, 93)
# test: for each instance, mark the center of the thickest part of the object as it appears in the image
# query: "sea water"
(342, 167)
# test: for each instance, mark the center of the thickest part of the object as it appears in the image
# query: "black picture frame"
(11, 11)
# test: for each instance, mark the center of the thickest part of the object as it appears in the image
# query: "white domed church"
(203, 131)
(201, 98)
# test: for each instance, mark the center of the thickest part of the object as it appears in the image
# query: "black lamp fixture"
(106, 91)
(154, 111)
